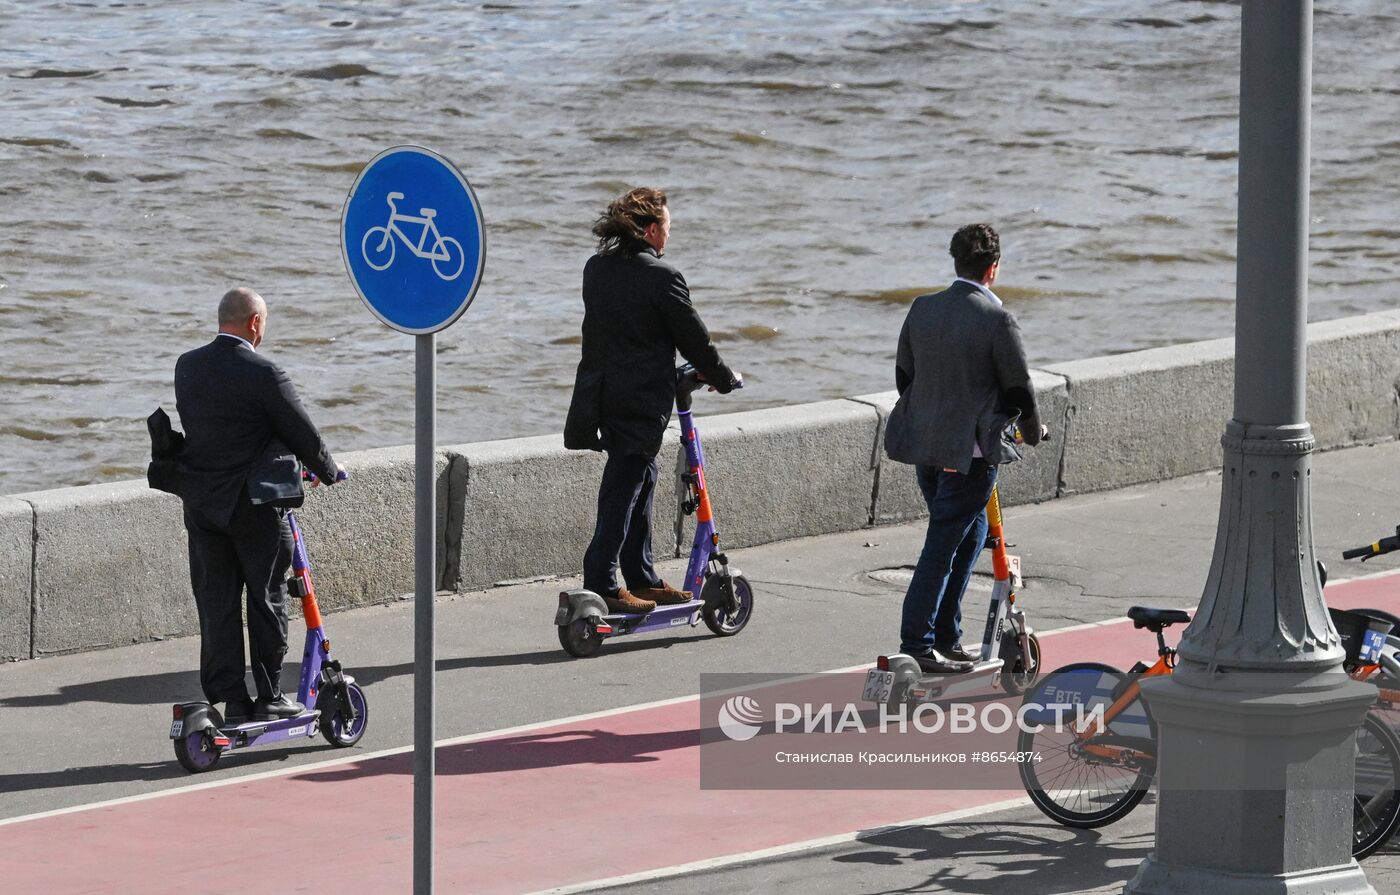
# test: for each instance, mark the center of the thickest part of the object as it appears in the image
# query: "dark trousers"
(254, 550)
(622, 534)
(957, 527)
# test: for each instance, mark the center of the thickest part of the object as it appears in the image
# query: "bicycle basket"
(1352, 627)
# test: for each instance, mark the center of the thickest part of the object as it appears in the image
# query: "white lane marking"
(780, 850)
(489, 734)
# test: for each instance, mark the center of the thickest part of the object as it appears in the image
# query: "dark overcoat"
(636, 315)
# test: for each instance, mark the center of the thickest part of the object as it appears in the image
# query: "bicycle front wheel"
(1376, 810)
(1069, 785)
(377, 247)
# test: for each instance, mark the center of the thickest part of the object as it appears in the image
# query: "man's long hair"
(620, 228)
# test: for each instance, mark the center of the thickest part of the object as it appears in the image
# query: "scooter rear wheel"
(196, 752)
(337, 726)
(580, 638)
(716, 614)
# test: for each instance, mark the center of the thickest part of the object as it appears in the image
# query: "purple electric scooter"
(336, 704)
(725, 601)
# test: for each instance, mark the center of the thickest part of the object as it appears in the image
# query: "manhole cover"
(900, 576)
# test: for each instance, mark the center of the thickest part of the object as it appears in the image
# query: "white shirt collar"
(240, 339)
(985, 291)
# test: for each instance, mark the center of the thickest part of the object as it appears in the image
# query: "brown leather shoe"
(624, 601)
(665, 594)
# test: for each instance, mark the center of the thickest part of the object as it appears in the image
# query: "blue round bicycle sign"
(413, 239)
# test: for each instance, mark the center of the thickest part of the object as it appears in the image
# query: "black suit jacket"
(234, 405)
(636, 314)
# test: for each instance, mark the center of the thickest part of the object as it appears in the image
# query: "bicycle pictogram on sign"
(378, 245)
(416, 268)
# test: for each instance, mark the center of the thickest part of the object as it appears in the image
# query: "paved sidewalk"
(85, 728)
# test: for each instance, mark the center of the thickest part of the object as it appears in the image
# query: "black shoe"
(273, 709)
(236, 711)
(957, 653)
(935, 662)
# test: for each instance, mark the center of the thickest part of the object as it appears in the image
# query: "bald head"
(243, 313)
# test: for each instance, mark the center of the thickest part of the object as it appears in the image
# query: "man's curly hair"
(975, 248)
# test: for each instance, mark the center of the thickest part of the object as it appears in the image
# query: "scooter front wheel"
(716, 612)
(1023, 670)
(196, 752)
(580, 638)
(342, 725)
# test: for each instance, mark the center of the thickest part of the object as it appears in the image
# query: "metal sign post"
(414, 244)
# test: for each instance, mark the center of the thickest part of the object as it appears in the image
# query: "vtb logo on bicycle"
(445, 253)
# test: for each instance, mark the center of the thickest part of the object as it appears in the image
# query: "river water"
(818, 156)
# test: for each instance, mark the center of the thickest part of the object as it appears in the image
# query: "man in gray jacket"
(964, 390)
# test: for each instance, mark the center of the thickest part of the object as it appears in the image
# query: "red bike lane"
(556, 804)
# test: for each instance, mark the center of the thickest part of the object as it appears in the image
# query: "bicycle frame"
(439, 251)
(1093, 727)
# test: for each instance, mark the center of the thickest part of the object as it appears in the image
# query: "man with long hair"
(636, 315)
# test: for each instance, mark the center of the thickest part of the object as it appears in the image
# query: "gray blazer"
(962, 357)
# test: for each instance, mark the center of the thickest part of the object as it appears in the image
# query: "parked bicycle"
(1096, 771)
(445, 253)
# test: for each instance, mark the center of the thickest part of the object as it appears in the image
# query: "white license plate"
(177, 727)
(877, 685)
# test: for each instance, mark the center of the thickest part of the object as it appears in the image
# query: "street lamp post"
(1257, 725)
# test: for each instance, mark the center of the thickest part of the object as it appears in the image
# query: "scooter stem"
(1001, 566)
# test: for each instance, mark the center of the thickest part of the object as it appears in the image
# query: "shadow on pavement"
(183, 686)
(560, 748)
(144, 771)
(994, 858)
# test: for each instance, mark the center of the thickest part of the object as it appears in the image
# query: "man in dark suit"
(238, 410)
(964, 388)
(637, 313)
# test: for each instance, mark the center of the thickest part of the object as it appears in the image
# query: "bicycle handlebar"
(309, 476)
(1383, 546)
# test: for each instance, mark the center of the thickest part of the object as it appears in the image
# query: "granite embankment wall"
(105, 565)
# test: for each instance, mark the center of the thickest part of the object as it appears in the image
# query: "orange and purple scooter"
(336, 706)
(725, 601)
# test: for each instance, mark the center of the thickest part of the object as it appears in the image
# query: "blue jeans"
(957, 527)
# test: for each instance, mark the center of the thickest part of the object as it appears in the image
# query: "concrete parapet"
(790, 472)
(359, 533)
(1354, 379)
(102, 565)
(897, 497)
(1036, 477)
(16, 578)
(529, 507)
(1145, 416)
(111, 567)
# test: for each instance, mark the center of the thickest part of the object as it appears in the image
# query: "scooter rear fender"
(577, 604)
(197, 716)
(906, 669)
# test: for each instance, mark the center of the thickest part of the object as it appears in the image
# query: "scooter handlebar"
(309, 476)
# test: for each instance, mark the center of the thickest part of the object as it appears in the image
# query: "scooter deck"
(668, 616)
(932, 685)
(260, 733)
